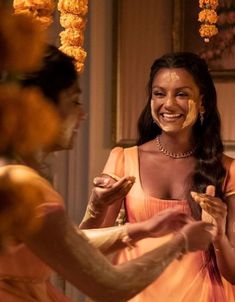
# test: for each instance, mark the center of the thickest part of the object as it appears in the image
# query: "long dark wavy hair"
(209, 169)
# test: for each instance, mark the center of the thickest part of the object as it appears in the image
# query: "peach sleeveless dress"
(186, 280)
(23, 276)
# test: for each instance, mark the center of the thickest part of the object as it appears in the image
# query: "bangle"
(93, 213)
(126, 239)
(185, 249)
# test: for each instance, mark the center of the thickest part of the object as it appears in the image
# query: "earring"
(201, 117)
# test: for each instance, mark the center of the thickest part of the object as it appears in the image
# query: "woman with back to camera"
(178, 162)
(55, 242)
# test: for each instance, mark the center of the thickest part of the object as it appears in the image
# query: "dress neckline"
(138, 179)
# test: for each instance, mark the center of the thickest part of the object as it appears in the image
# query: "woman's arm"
(108, 240)
(225, 244)
(68, 252)
(223, 216)
(105, 201)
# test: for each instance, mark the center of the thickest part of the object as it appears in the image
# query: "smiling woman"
(179, 150)
(175, 100)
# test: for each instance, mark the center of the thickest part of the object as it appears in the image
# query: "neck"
(177, 143)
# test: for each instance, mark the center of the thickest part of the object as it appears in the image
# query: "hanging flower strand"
(208, 17)
(41, 10)
(73, 19)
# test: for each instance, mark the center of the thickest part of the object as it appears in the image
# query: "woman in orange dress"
(178, 162)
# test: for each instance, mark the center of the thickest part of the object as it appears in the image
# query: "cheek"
(154, 111)
(192, 114)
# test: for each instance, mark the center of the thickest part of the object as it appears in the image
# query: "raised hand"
(214, 210)
(107, 190)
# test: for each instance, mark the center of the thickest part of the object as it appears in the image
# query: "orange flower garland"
(73, 19)
(41, 10)
(208, 17)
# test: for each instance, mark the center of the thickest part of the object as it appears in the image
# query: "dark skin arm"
(105, 201)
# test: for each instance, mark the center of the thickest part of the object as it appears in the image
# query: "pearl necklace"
(172, 154)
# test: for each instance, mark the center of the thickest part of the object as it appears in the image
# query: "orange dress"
(23, 276)
(182, 281)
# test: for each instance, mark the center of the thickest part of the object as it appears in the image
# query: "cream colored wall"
(100, 60)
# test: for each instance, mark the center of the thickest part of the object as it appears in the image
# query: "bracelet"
(126, 239)
(93, 213)
(185, 249)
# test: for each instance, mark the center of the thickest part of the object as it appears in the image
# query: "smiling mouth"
(170, 117)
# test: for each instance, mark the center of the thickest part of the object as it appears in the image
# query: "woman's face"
(72, 113)
(176, 100)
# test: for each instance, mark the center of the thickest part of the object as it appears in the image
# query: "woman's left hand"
(214, 210)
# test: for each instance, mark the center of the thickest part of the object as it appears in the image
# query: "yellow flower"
(43, 6)
(207, 30)
(72, 37)
(211, 4)
(208, 15)
(22, 43)
(78, 53)
(72, 21)
(79, 67)
(40, 10)
(73, 6)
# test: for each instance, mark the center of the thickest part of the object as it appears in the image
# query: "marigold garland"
(224, 41)
(73, 19)
(41, 10)
(208, 17)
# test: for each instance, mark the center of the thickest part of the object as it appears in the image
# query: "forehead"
(173, 76)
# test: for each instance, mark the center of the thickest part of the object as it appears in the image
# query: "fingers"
(108, 182)
(209, 203)
(210, 190)
(102, 182)
(109, 194)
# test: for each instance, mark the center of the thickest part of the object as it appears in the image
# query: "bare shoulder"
(148, 147)
(21, 174)
(228, 162)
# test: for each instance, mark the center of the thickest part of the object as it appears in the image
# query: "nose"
(169, 101)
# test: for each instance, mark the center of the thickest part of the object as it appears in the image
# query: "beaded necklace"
(172, 154)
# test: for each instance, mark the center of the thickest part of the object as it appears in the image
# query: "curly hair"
(209, 169)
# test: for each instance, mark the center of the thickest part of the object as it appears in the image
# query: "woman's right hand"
(107, 190)
(199, 235)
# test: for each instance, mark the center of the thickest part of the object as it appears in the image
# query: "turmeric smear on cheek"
(192, 114)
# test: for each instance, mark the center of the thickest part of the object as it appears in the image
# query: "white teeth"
(170, 115)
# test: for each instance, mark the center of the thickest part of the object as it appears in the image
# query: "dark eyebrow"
(178, 88)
